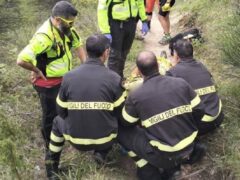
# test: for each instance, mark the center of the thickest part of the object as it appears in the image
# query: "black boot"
(51, 163)
(149, 172)
(100, 156)
(171, 174)
(52, 170)
(198, 152)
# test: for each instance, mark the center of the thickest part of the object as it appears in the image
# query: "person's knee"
(114, 53)
(163, 14)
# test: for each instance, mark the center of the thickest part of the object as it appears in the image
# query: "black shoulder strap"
(42, 59)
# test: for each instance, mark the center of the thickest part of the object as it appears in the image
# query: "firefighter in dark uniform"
(197, 75)
(164, 108)
(88, 103)
(117, 19)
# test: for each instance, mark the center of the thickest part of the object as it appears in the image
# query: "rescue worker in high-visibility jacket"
(48, 56)
(89, 101)
(165, 109)
(117, 19)
(197, 75)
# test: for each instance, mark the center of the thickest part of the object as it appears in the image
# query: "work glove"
(145, 28)
(109, 36)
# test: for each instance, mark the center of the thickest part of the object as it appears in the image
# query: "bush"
(230, 41)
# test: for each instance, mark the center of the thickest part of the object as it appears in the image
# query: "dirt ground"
(156, 33)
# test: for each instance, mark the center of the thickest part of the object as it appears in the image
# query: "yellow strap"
(141, 163)
(195, 101)
(179, 146)
(120, 100)
(205, 90)
(83, 141)
(207, 118)
(56, 139)
(127, 117)
(166, 115)
(55, 149)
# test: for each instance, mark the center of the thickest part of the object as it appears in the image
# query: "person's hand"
(109, 36)
(37, 75)
(145, 28)
(174, 61)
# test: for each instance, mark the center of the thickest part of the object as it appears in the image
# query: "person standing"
(164, 11)
(48, 56)
(117, 19)
(149, 10)
(90, 100)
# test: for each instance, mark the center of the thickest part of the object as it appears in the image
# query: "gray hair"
(64, 9)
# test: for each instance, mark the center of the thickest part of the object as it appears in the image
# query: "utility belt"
(124, 22)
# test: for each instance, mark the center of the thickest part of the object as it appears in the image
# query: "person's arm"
(27, 57)
(62, 104)
(102, 14)
(81, 54)
(119, 103)
(36, 73)
(78, 45)
(142, 11)
(129, 113)
(196, 104)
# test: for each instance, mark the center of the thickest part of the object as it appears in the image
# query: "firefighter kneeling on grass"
(201, 80)
(159, 126)
(89, 99)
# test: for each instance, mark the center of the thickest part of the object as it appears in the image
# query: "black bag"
(190, 34)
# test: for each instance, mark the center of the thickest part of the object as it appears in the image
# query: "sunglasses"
(69, 22)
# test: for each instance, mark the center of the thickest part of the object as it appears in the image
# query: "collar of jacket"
(151, 76)
(96, 61)
(54, 27)
(187, 60)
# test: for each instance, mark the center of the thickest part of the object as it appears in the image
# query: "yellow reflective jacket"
(49, 51)
(119, 10)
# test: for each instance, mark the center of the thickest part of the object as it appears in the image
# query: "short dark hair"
(96, 45)
(183, 48)
(147, 63)
(64, 9)
(173, 40)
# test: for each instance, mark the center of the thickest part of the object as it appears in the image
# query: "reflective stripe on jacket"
(196, 74)
(119, 10)
(87, 100)
(49, 51)
(164, 106)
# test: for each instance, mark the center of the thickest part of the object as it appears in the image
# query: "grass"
(219, 23)
(21, 144)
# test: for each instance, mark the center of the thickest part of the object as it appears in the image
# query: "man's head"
(64, 13)
(147, 63)
(183, 49)
(98, 46)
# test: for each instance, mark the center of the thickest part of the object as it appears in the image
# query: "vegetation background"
(21, 145)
